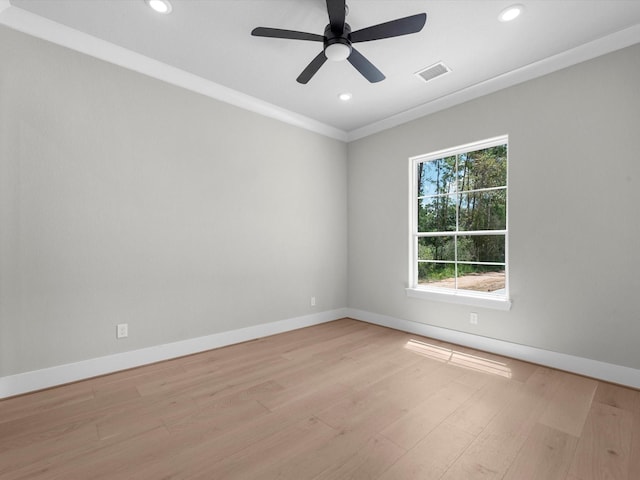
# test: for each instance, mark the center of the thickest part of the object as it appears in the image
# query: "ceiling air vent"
(433, 71)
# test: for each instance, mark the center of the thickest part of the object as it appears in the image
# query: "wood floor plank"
(145, 414)
(617, 396)
(365, 374)
(339, 347)
(215, 417)
(114, 460)
(569, 407)
(44, 401)
(209, 383)
(370, 461)
(634, 461)
(418, 422)
(494, 449)
(357, 418)
(264, 458)
(356, 409)
(109, 384)
(338, 400)
(432, 456)
(546, 454)
(192, 452)
(520, 371)
(60, 421)
(629, 401)
(94, 460)
(604, 449)
(333, 452)
(357, 334)
(414, 384)
(46, 450)
(474, 415)
(474, 380)
(306, 398)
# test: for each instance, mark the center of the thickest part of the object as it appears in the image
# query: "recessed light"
(510, 13)
(160, 6)
(345, 97)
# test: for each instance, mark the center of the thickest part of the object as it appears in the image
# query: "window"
(459, 224)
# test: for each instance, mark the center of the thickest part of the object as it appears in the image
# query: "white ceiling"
(208, 44)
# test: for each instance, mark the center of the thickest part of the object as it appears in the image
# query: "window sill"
(460, 298)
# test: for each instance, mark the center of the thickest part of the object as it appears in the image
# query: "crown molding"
(34, 25)
(610, 43)
(37, 26)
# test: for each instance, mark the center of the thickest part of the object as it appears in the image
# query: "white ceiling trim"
(49, 30)
(34, 25)
(610, 43)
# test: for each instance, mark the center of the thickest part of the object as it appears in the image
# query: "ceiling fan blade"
(365, 67)
(312, 68)
(291, 34)
(337, 12)
(394, 28)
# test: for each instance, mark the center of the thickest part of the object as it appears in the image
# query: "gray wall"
(574, 197)
(124, 199)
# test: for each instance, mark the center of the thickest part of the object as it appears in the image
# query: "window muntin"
(459, 231)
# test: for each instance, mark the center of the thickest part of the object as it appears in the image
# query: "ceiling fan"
(338, 40)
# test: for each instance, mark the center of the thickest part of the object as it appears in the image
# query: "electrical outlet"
(313, 301)
(473, 318)
(122, 330)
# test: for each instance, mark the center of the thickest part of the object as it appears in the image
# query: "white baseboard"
(583, 366)
(50, 377)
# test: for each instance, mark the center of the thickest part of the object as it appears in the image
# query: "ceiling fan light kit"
(337, 52)
(338, 40)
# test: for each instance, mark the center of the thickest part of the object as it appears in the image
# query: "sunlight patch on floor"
(459, 359)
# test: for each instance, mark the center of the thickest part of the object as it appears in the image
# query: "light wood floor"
(336, 401)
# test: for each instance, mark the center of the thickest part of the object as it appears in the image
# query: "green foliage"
(462, 193)
(434, 272)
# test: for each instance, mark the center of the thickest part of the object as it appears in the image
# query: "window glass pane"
(481, 278)
(458, 195)
(483, 210)
(481, 248)
(436, 248)
(437, 274)
(437, 214)
(483, 168)
(437, 176)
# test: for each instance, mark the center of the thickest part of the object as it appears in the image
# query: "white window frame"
(458, 296)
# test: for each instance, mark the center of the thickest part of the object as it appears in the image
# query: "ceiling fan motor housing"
(337, 47)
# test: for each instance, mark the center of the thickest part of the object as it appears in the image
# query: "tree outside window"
(460, 224)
